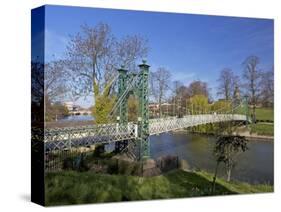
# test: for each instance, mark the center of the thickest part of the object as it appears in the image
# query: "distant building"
(153, 106)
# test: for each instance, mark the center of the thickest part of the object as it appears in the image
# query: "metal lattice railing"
(161, 125)
(67, 138)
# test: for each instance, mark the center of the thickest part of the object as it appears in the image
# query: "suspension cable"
(122, 97)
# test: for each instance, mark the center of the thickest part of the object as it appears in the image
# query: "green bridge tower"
(143, 118)
(122, 86)
(138, 85)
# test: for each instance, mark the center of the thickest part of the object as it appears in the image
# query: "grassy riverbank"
(263, 127)
(266, 129)
(87, 187)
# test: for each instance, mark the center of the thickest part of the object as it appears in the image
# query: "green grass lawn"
(265, 114)
(262, 114)
(262, 129)
(87, 187)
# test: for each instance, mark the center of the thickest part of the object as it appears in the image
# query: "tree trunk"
(160, 109)
(254, 113)
(214, 178)
(228, 172)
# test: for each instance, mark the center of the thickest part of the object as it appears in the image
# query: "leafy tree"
(104, 103)
(198, 104)
(221, 106)
(132, 108)
(226, 150)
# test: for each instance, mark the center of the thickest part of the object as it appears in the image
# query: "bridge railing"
(161, 125)
(66, 138)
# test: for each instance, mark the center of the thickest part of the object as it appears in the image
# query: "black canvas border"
(37, 105)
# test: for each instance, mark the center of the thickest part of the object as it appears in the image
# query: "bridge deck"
(58, 139)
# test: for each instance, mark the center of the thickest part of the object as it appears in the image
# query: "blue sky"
(192, 47)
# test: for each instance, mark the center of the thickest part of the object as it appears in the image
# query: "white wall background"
(15, 103)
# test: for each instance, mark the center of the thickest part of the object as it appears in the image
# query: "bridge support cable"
(131, 82)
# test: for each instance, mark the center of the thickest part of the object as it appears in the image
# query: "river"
(76, 118)
(254, 165)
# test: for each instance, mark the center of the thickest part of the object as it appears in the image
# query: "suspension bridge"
(135, 133)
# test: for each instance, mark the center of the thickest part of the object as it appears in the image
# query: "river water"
(254, 165)
(76, 118)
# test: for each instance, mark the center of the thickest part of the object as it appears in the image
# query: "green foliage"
(87, 187)
(226, 150)
(104, 103)
(198, 104)
(103, 106)
(221, 106)
(132, 108)
(228, 146)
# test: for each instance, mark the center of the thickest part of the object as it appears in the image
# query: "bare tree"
(267, 88)
(55, 85)
(252, 76)
(159, 85)
(198, 88)
(129, 50)
(37, 82)
(176, 87)
(48, 85)
(227, 83)
(180, 98)
(88, 55)
(177, 98)
(94, 54)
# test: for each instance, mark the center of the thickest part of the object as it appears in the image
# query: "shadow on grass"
(195, 185)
